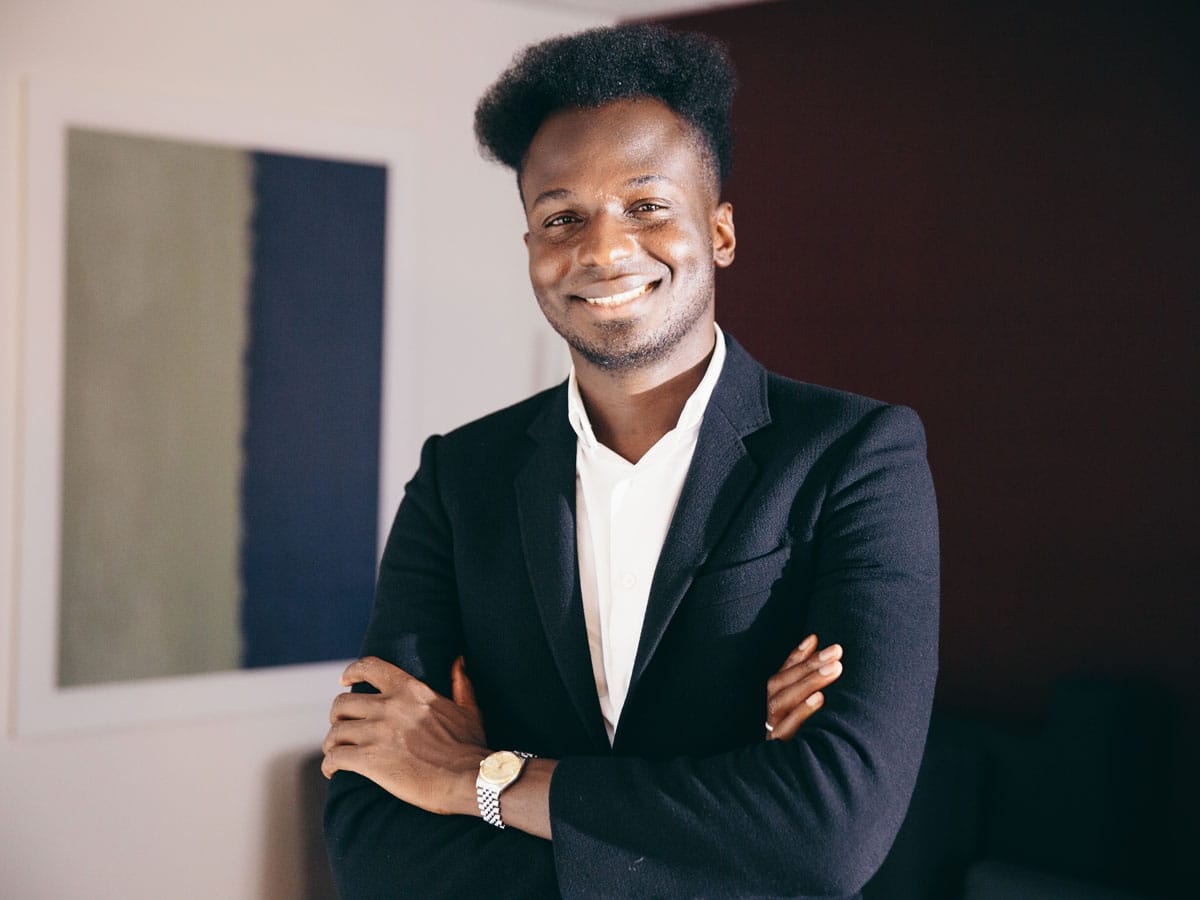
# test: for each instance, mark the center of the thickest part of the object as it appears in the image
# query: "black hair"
(690, 73)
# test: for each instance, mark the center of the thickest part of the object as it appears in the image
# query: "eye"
(560, 219)
(648, 206)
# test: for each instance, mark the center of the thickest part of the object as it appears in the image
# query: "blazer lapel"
(545, 489)
(720, 475)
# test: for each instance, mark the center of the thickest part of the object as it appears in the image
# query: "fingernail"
(830, 652)
(830, 668)
(815, 700)
(804, 648)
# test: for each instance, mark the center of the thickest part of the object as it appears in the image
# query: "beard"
(624, 345)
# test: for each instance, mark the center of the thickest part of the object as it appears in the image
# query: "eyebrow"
(564, 193)
(647, 179)
(555, 194)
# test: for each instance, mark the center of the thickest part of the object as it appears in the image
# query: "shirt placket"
(621, 580)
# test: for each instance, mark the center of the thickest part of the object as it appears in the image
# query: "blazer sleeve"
(814, 816)
(380, 846)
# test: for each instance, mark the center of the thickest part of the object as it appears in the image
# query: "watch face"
(501, 767)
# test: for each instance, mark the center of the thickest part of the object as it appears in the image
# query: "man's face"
(624, 231)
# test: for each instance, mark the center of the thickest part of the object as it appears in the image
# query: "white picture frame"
(41, 706)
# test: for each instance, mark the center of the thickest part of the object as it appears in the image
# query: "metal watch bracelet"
(487, 796)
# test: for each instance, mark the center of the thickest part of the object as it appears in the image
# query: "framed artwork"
(210, 330)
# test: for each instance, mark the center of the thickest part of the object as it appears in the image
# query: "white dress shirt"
(623, 510)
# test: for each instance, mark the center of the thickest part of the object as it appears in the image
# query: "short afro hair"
(690, 73)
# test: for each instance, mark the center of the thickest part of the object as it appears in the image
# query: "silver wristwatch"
(496, 772)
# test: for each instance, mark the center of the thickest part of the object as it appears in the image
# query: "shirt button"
(628, 580)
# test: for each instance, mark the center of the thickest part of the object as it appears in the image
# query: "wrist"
(499, 773)
(526, 804)
(465, 801)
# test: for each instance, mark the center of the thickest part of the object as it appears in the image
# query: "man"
(628, 562)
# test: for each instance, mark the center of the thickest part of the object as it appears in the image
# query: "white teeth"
(618, 299)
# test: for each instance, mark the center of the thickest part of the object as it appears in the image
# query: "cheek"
(546, 269)
(687, 250)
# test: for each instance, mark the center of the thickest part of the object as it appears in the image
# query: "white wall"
(208, 809)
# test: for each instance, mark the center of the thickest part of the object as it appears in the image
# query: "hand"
(408, 739)
(794, 692)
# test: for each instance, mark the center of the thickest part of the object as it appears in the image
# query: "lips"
(620, 299)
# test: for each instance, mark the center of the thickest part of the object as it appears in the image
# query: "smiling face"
(624, 231)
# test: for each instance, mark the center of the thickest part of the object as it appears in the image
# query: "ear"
(723, 237)
(525, 238)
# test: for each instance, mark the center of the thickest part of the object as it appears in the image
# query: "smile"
(621, 298)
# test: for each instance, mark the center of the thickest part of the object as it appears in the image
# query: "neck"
(631, 411)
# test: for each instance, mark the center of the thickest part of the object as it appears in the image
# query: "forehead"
(587, 149)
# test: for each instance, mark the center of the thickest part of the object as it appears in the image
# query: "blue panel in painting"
(313, 370)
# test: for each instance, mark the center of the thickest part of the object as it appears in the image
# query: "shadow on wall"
(318, 879)
(293, 855)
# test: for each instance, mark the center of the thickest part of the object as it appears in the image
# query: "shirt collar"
(693, 410)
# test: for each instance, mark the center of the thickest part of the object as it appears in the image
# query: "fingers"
(791, 723)
(349, 733)
(461, 690)
(793, 693)
(346, 706)
(342, 758)
(328, 766)
(375, 672)
(350, 743)
(796, 702)
(798, 682)
(384, 677)
(790, 674)
(801, 653)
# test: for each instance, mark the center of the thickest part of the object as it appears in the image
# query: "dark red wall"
(991, 213)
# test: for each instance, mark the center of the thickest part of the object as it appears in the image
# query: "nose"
(603, 241)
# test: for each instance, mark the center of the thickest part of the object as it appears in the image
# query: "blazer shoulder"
(803, 404)
(783, 412)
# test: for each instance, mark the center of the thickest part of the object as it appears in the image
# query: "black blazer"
(805, 509)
